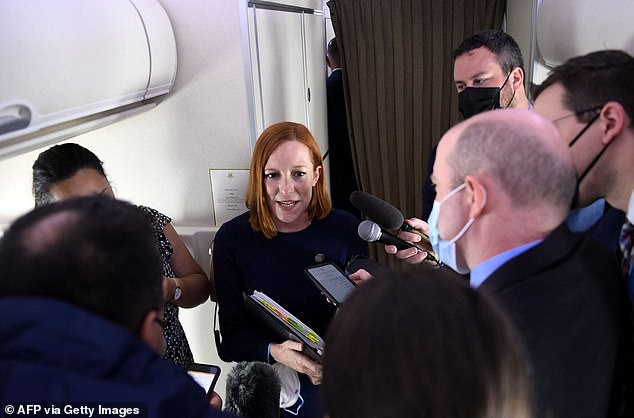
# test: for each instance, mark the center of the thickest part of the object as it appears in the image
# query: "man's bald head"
(520, 150)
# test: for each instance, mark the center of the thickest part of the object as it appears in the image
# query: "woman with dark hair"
(423, 344)
(290, 225)
(70, 170)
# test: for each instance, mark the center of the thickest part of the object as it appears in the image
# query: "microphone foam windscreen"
(253, 390)
(377, 209)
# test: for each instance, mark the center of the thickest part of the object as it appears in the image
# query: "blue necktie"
(625, 243)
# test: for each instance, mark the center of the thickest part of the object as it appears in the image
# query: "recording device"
(367, 264)
(377, 210)
(371, 232)
(381, 212)
(206, 375)
(332, 282)
(253, 390)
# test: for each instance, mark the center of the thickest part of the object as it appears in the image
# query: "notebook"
(285, 324)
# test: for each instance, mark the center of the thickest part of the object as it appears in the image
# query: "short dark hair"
(59, 163)
(592, 80)
(94, 252)
(502, 44)
(332, 49)
(423, 344)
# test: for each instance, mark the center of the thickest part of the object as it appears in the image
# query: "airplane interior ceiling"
(101, 64)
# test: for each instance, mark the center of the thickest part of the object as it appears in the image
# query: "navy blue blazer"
(568, 301)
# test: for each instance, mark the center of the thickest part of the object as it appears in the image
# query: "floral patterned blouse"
(177, 349)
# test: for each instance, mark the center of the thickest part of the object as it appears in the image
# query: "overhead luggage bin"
(70, 66)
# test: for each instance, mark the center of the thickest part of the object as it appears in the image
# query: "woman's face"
(289, 177)
(85, 182)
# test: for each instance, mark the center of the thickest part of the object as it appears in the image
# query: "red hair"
(260, 216)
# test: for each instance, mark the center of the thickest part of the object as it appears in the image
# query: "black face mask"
(474, 100)
(575, 199)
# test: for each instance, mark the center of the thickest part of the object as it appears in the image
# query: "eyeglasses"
(581, 112)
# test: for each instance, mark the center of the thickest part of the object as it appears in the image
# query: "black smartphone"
(206, 375)
(369, 265)
(331, 281)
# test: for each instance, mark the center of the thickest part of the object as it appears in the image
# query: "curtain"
(398, 87)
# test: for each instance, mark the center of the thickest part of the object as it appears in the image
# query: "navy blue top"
(245, 261)
(54, 352)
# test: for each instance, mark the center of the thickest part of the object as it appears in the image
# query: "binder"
(285, 324)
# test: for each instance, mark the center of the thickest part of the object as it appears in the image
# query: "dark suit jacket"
(342, 178)
(568, 302)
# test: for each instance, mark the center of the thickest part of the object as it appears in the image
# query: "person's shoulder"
(335, 76)
(564, 253)
(339, 220)
(238, 225)
(340, 215)
(155, 216)
(581, 244)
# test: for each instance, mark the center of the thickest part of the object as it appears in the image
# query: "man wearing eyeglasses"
(504, 184)
(488, 75)
(590, 99)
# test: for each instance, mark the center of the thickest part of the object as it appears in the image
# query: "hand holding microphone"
(390, 217)
(384, 214)
(371, 232)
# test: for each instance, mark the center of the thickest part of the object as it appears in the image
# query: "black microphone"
(253, 390)
(377, 210)
(381, 212)
(371, 232)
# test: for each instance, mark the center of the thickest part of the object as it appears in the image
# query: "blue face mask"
(446, 249)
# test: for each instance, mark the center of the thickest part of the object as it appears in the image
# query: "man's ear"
(613, 120)
(151, 332)
(477, 195)
(517, 78)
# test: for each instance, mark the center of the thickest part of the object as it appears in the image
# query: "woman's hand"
(290, 354)
(360, 276)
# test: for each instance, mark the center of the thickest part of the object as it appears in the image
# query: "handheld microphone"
(382, 212)
(371, 232)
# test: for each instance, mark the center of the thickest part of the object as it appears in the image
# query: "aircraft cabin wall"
(161, 158)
